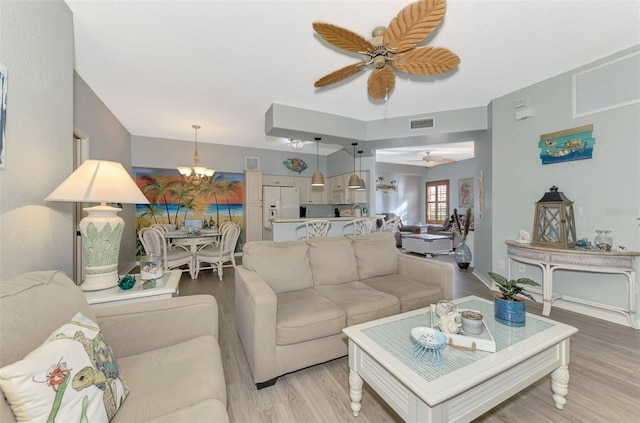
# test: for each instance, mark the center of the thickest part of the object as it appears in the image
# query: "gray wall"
(36, 41)
(108, 140)
(168, 154)
(605, 189)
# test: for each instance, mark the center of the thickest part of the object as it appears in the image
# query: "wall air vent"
(422, 123)
(251, 163)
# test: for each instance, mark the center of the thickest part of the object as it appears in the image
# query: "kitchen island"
(284, 229)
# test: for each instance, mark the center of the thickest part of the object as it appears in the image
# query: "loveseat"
(293, 298)
(166, 352)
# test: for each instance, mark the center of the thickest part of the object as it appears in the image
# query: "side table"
(165, 288)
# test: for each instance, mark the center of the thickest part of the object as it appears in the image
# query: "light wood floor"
(604, 372)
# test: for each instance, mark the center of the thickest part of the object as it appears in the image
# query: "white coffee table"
(467, 384)
(165, 288)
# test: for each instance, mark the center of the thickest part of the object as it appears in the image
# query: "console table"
(550, 259)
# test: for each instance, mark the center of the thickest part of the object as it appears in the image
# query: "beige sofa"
(294, 298)
(167, 350)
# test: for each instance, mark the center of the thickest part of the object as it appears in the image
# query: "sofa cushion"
(411, 293)
(361, 302)
(36, 303)
(73, 374)
(284, 266)
(211, 410)
(332, 261)
(304, 315)
(188, 373)
(376, 254)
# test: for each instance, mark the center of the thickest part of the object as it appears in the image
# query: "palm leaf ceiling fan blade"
(340, 74)
(342, 38)
(426, 61)
(381, 82)
(413, 24)
(392, 48)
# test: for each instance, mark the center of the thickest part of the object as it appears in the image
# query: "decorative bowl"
(126, 282)
(429, 343)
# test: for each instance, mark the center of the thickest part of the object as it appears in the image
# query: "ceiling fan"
(392, 47)
(433, 161)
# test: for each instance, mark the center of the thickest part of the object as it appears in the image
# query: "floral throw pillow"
(72, 377)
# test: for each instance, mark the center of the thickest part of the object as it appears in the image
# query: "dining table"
(182, 237)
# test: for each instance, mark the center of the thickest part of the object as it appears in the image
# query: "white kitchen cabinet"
(310, 194)
(277, 180)
(252, 222)
(318, 195)
(304, 188)
(253, 205)
(252, 186)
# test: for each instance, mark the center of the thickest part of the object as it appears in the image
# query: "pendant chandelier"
(317, 180)
(363, 186)
(197, 174)
(354, 181)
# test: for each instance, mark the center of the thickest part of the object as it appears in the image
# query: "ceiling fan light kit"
(296, 144)
(392, 48)
(433, 161)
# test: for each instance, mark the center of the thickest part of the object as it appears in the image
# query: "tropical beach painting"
(173, 200)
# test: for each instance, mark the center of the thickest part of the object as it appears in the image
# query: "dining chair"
(220, 253)
(357, 227)
(224, 225)
(391, 225)
(162, 228)
(154, 243)
(313, 229)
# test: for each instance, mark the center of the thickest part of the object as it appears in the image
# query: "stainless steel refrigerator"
(278, 203)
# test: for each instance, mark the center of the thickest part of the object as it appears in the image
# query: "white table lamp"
(100, 181)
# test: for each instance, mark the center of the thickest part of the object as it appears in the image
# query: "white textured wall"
(36, 46)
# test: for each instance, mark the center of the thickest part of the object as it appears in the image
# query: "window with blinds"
(437, 199)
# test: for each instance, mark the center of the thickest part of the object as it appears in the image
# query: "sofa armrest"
(256, 310)
(140, 327)
(428, 271)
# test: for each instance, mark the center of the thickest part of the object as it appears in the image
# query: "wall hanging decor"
(465, 192)
(295, 165)
(567, 145)
(173, 200)
(3, 112)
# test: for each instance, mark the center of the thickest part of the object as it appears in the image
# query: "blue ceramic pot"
(510, 313)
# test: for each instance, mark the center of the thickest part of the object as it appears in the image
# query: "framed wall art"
(173, 201)
(465, 192)
(567, 145)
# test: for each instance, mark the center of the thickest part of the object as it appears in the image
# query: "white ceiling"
(162, 65)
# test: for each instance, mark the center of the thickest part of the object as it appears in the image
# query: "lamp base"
(99, 282)
(101, 232)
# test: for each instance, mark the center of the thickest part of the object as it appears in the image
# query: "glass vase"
(463, 255)
(603, 240)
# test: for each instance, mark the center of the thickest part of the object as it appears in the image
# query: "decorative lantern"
(554, 224)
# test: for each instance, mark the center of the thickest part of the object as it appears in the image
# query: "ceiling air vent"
(251, 163)
(422, 123)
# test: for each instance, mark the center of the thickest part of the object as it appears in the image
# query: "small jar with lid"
(603, 240)
(151, 268)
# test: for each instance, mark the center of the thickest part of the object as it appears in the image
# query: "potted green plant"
(509, 308)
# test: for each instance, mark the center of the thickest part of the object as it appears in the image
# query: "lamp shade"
(99, 181)
(317, 180)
